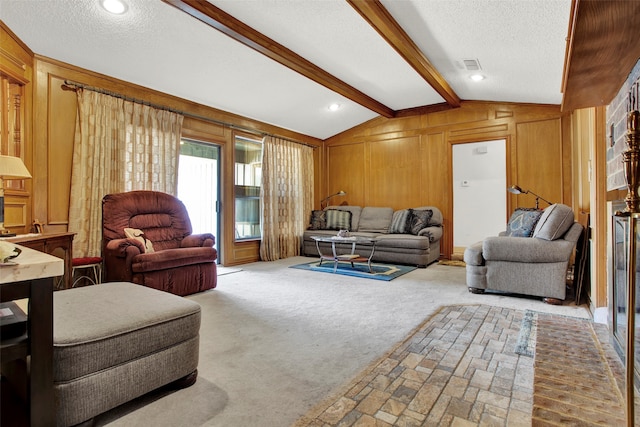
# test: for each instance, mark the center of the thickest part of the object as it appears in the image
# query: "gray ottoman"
(114, 342)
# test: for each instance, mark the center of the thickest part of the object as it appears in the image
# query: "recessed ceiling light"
(477, 77)
(334, 107)
(114, 6)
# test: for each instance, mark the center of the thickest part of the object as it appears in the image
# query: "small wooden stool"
(93, 264)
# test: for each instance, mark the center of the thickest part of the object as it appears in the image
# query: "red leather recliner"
(179, 262)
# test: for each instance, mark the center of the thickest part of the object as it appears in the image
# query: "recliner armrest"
(198, 240)
(526, 249)
(118, 256)
(121, 247)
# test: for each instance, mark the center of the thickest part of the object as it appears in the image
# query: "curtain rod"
(74, 86)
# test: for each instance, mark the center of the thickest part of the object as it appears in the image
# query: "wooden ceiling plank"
(239, 31)
(602, 49)
(381, 20)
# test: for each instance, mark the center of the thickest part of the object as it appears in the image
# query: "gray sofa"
(406, 236)
(535, 265)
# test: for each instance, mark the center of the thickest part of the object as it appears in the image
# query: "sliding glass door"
(199, 186)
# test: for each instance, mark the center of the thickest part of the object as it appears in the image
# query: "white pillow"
(134, 233)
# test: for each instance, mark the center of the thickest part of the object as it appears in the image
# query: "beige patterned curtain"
(287, 197)
(119, 146)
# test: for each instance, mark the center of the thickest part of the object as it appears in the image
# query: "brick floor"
(575, 382)
(459, 369)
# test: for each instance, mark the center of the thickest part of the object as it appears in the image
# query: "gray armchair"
(535, 265)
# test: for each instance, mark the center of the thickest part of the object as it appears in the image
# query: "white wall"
(479, 191)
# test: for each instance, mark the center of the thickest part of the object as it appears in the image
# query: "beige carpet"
(275, 341)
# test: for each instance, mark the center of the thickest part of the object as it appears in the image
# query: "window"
(248, 162)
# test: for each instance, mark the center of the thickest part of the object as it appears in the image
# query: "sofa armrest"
(434, 233)
(198, 240)
(526, 249)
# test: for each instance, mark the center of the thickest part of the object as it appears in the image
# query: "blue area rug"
(385, 272)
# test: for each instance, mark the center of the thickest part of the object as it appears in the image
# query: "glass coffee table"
(351, 257)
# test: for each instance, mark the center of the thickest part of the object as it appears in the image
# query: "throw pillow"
(134, 233)
(523, 221)
(318, 220)
(418, 219)
(338, 220)
(399, 221)
(554, 222)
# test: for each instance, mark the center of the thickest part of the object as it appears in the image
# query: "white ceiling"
(520, 45)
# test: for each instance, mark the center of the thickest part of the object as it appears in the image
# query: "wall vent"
(471, 64)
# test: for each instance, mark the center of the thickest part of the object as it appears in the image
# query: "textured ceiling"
(520, 45)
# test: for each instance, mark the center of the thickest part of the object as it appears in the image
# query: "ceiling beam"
(381, 20)
(602, 48)
(239, 31)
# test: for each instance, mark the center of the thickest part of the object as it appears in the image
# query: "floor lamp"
(10, 168)
(339, 193)
(514, 189)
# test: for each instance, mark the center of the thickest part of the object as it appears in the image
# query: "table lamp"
(10, 168)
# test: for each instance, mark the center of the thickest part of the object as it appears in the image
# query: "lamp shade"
(12, 168)
(339, 193)
(514, 189)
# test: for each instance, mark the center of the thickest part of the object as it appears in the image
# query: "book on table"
(13, 321)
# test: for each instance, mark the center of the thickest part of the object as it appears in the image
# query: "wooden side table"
(31, 276)
(58, 244)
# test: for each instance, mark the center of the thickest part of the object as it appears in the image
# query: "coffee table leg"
(319, 253)
(373, 249)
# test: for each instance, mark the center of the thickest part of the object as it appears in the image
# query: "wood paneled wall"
(400, 162)
(16, 72)
(54, 127)
(407, 162)
(588, 136)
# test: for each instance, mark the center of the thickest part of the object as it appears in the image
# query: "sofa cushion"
(399, 221)
(401, 241)
(172, 258)
(376, 220)
(338, 219)
(418, 219)
(554, 222)
(523, 221)
(318, 220)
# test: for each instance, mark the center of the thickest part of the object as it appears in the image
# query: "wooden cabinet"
(16, 73)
